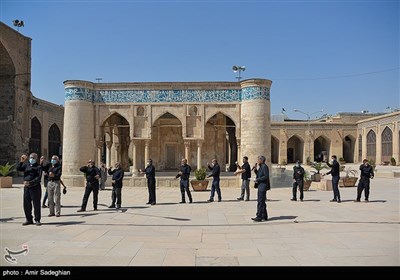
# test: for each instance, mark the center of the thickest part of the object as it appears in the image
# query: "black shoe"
(153, 203)
(332, 200)
(38, 223)
(182, 201)
(190, 201)
(118, 207)
(219, 200)
(111, 206)
(210, 200)
(239, 198)
(293, 199)
(301, 199)
(95, 209)
(57, 215)
(44, 206)
(27, 223)
(338, 201)
(357, 200)
(148, 202)
(256, 219)
(81, 210)
(50, 215)
(366, 200)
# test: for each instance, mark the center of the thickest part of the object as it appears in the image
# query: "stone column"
(187, 151)
(199, 144)
(116, 154)
(395, 143)
(239, 154)
(134, 170)
(378, 145)
(364, 143)
(99, 145)
(146, 150)
(108, 156)
(255, 119)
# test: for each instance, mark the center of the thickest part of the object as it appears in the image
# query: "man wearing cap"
(150, 172)
(298, 180)
(367, 173)
(92, 174)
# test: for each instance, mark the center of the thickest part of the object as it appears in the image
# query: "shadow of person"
(282, 218)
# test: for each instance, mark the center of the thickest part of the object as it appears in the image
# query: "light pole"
(308, 127)
(236, 68)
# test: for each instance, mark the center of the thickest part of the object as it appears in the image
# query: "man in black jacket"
(54, 187)
(150, 172)
(117, 177)
(367, 172)
(298, 180)
(245, 170)
(263, 182)
(184, 173)
(335, 172)
(215, 171)
(32, 189)
(92, 174)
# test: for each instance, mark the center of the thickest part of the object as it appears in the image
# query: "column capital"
(187, 143)
(99, 143)
(109, 144)
(200, 143)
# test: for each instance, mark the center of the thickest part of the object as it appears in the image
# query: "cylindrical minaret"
(256, 120)
(79, 140)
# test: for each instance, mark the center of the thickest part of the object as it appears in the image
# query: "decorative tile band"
(154, 96)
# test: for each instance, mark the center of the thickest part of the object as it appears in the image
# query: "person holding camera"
(103, 175)
(246, 175)
(184, 174)
(117, 177)
(150, 172)
(298, 180)
(263, 184)
(215, 171)
(335, 172)
(367, 173)
(32, 189)
(92, 174)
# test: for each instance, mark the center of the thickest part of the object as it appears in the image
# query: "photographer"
(92, 174)
(117, 176)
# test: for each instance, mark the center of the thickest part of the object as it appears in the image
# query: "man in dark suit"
(150, 172)
(263, 182)
(215, 171)
(335, 172)
(117, 179)
(184, 174)
(92, 174)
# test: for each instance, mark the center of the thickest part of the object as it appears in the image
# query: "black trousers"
(89, 188)
(184, 184)
(116, 194)
(261, 204)
(46, 181)
(215, 187)
(363, 185)
(335, 187)
(32, 195)
(151, 186)
(299, 183)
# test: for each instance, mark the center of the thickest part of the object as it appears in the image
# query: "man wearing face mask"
(367, 172)
(54, 187)
(335, 172)
(184, 173)
(117, 177)
(92, 174)
(32, 189)
(215, 171)
(298, 180)
(150, 172)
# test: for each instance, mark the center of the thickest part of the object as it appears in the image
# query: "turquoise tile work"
(154, 96)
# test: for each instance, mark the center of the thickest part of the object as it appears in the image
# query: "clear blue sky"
(339, 56)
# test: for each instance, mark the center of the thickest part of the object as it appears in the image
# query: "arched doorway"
(321, 149)
(387, 144)
(54, 141)
(220, 141)
(35, 142)
(371, 145)
(166, 146)
(115, 129)
(274, 150)
(360, 148)
(348, 148)
(295, 147)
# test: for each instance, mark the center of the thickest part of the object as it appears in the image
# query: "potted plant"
(307, 181)
(392, 161)
(200, 184)
(342, 161)
(5, 175)
(318, 166)
(350, 179)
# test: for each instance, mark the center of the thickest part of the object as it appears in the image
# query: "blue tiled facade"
(176, 96)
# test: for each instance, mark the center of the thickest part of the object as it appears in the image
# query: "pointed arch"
(387, 144)
(321, 148)
(371, 145)
(360, 148)
(348, 148)
(274, 149)
(295, 148)
(35, 142)
(54, 140)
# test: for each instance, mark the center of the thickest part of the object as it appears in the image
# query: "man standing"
(246, 175)
(45, 168)
(262, 180)
(215, 171)
(117, 177)
(150, 172)
(367, 172)
(103, 175)
(335, 172)
(32, 189)
(298, 180)
(54, 187)
(92, 174)
(184, 173)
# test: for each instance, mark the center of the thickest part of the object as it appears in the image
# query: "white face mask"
(297, 164)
